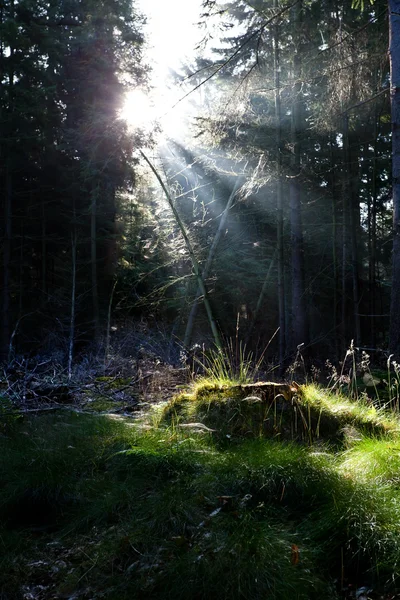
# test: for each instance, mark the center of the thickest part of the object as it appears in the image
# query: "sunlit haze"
(172, 36)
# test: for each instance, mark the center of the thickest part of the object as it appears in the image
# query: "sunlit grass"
(374, 461)
(234, 364)
(155, 510)
(360, 413)
(312, 413)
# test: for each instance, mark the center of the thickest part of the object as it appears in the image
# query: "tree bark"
(279, 198)
(372, 210)
(71, 341)
(299, 318)
(343, 304)
(5, 316)
(44, 255)
(353, 229)
(93, 261)
(335, 293)
(394, 53)
(5, 320)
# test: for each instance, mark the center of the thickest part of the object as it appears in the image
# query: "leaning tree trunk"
(195, 264)
(394, 52)
(261, 298)
(207, 266)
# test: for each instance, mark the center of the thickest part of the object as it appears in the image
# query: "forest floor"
(213, 490)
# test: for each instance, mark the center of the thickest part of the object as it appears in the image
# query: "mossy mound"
(289, 412)
(340, 412)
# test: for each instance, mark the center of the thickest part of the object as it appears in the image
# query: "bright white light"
(172, 37)
(137, 110)
(152, 111)
(171, 31)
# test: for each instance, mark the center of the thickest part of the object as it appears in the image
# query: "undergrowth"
(103, 507)
(232, 364)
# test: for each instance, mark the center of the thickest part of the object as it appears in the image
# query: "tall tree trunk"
(5, 320)
(21, 271)
(5, 316)
(394, 52)
(343, 304)
(299, 317)
(353, 229)
(335, 293)
(44, 255)
(93, 262)
(372, 236)
(279, 198)
(261, 296)
(71, 341)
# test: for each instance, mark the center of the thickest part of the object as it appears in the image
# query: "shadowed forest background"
(291, 115)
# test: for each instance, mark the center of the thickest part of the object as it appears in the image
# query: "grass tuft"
(94, 506)
(360, 413)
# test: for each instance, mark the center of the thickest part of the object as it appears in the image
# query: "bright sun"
(154, 111)
(138, 110)
(171, 35)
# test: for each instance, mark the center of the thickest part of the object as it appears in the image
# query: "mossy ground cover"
(94, 506)
(305, 414)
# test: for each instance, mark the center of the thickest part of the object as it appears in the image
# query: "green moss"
(100, 404)
(311, 414)
(338, 411)
(176, 409)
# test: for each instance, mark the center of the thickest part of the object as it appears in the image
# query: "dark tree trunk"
(44, 255)
(353, 230)
(279, 198)
(299, 318)
(343, 307)
(394, 51)
(93, 261)
(335, 293)
(71, 340)
(5, 320)
(8, 193)
(372, 236)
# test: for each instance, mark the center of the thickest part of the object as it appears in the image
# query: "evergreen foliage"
(66, 156)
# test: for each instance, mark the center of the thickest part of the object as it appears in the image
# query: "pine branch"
(384, 91)
(259, 31)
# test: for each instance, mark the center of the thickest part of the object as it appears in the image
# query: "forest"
(200, 299)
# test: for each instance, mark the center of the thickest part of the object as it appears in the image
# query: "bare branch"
(237, 51)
